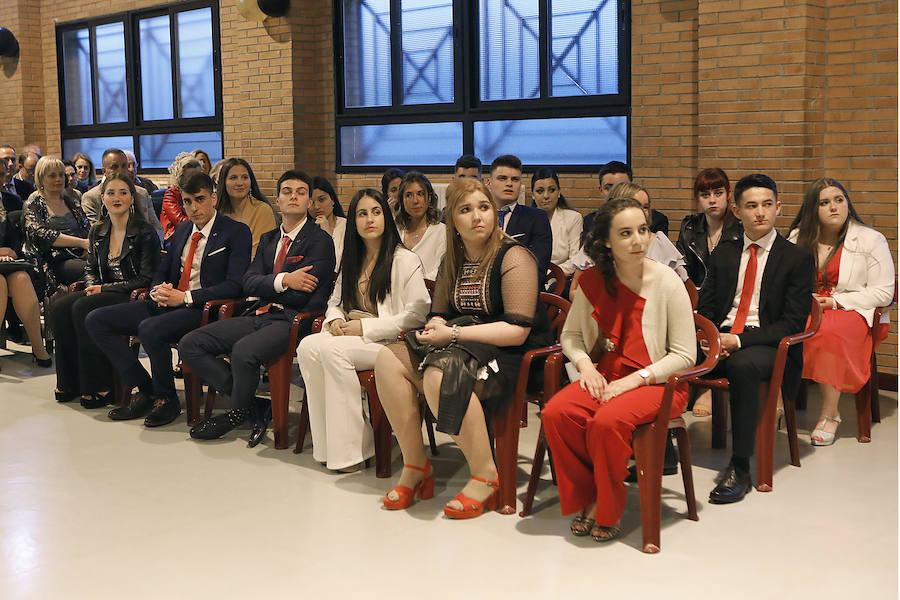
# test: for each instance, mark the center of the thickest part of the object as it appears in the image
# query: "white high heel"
(819, 436)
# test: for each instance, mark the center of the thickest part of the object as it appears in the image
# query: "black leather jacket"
(693, 245)
(139, 256)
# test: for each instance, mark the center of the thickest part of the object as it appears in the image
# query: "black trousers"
(157, 328)
(80, 365)
(745, 369)
(69, 270)
(251, 341)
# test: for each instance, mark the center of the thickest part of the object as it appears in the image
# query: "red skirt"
(839, 355)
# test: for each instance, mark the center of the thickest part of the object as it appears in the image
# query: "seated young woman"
(172, 206)
(565, 223)
(390, 185)
(16, 283)
(123, 255)
(380, 292)
(240, 198)
(419, 222)
(699, 235)
(854, 276)
(630, 327)
(486, 315)
(329, 214)
(56, 229)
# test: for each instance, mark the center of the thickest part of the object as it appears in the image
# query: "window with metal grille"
(145, 81)
(422, 81)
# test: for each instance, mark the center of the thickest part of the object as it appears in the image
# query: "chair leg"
(506, 446)
(536, 465)
(381, 429)
(872, 388)
(193, 391)
(765, 438)
(301, 429)
(719, 420)
(280, 388)
(863, 415)
(648, 458)
(210, 401)
(687, 472)
(429, 429)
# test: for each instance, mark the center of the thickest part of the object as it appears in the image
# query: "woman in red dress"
(633, 315)
(854, 276)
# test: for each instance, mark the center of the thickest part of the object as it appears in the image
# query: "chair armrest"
(139, 294)
(76, 286)
(298, 320)
(225, 306)
(317, 325)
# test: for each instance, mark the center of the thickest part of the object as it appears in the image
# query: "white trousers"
(338, 421)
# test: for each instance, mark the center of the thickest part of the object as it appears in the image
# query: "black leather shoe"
(260, 413)
(733, 486)
(139, 406)
(97, 401)
(215, 427)
(670, 463)
(165, 410)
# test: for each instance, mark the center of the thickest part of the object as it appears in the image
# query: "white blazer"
(431, 249)
(340, 227)
(405, 306)
(866, 279)
(565, 226)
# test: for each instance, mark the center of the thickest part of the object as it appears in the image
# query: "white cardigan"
(866, 279)
(667, 324)
(566, 226)
(405, 306)
(431, 249)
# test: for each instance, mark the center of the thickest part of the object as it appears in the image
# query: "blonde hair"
(456, 193)
(44, 165)
(627, 189)
(183, 161)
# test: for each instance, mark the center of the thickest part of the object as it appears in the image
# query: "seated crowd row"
(629, 328)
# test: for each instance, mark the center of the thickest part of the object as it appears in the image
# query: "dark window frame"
(467, 106)
(136, 126)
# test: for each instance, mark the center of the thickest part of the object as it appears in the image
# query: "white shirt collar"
(206, 228)
(293, 232)
(765, 242)
(511, 206)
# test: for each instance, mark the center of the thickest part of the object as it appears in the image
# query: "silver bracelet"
(454, 334)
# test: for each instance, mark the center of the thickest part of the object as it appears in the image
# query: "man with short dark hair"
(27, 164)
(527, 225)
(609, 175)
(208, 256)
(757, 290)
(115, 161)
(468, 165)
(293, 271)
(12, 184)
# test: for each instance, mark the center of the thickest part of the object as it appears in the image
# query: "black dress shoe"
(733, 486)
(260, 413)
(139, 406)
(97, 401)
(215, 427)
(165, 410)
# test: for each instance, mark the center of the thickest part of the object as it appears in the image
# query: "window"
(422, 81)
(146, 81)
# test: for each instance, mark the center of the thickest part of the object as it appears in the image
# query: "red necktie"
(187, 270)
(746, 292)
(279, 263)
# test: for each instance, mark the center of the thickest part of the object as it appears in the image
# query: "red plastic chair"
(768, 397)
(558, 277)
(867, 407)
(649, 442)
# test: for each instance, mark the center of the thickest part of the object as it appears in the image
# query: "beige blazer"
(667, 324)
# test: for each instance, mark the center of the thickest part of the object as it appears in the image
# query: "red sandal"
(424, 489)
(473, 508)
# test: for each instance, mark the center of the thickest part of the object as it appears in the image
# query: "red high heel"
(473, 508)
(424, 489)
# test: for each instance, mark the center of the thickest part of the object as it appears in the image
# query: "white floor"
(97, 509)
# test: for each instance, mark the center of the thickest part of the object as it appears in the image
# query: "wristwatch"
(645, 375)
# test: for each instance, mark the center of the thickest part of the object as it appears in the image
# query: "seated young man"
(293, 271)
(528, 225)
(757, 290)
(207, 257)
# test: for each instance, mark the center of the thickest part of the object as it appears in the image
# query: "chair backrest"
(693, 294)
(557, 311)
(558, 277)
(429, 283)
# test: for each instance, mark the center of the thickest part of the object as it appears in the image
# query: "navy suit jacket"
(225, 259)
(530, 227)
(785, 296)
(311, 246)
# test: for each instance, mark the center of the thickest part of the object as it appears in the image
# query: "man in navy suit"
(757, 290)
(293, 271)
(207, 257)
(526, 224)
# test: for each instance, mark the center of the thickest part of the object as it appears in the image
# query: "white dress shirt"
(762, 256)
(279, 277)
(197, 263)
(566, 226)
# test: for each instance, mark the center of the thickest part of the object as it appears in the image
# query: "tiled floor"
(94, 509)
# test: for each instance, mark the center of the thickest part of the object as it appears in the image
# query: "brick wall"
(794, 88)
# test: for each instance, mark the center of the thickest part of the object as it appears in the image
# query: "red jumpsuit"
(590, 442)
